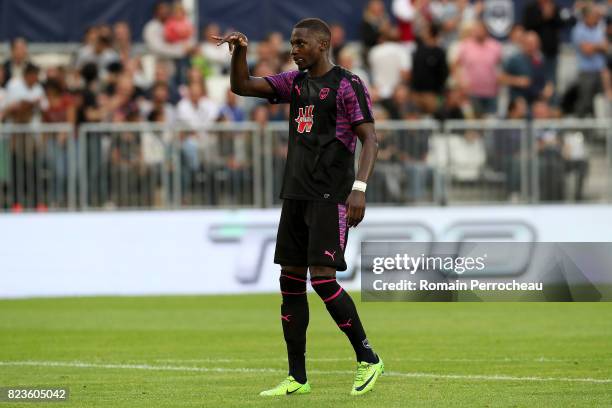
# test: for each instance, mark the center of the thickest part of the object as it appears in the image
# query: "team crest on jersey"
(323, 94)
(305, 119)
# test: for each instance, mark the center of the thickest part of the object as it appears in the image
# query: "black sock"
(342, 309)
(294, 317)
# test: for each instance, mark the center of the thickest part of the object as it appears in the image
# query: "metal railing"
(37, 167)
(143, 165)
(155, 166)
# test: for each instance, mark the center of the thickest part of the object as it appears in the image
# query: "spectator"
(195, 110)
(173, 53)
(401, 105)
(277, 42)
(388, 176)
(268, 53)
(86, 101)
(155, 150)
(161, 73)
(589, 38)
(24, 100)
(122, 41)
(211, 59)
(159, 106)
(414, 146)
(338, 40)
(2, 97)
(450, 14)
(429, 70)
(278, 112)
(177, 27)
(231, 111)
(390, 65)
(455, 106)
(405, 13)
(478, 58)
(525, 72)
(60, 105)
(59, 109)
(507, 145)
(514, 45)
(128, 171)
(346, 59)
(25, 96)
(102, 54)
(551, 167)
(154, 37)
(544, 17)
(576, 160)
(122, 103)
(58, 74)
(375, 26)
(15, 65)
(89, 41)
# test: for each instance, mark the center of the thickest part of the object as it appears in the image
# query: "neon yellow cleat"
(289, 386)
(366, 376)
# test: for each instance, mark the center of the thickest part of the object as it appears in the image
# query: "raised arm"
(241, 81)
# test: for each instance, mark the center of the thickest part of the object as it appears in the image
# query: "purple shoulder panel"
(282, 84)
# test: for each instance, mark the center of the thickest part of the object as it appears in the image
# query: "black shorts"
(311, 233)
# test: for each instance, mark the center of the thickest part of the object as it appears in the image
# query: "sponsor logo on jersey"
(305, 119)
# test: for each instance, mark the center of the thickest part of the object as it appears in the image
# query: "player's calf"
(294, 318)
(342, 309)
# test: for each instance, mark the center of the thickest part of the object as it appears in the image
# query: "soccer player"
(330, 108)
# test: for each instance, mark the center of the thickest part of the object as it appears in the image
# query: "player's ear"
(323, 45)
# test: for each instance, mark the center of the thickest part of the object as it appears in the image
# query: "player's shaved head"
(316, 26)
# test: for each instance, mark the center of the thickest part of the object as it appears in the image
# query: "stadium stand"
(112, 123)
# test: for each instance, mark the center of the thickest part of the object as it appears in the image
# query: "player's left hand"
(355, 208)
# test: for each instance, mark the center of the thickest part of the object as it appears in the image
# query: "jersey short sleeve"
(282, 86)
(355, 100)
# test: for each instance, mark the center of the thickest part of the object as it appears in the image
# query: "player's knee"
(296, 270)
(322, 271)
(327, 287)
(292, 285)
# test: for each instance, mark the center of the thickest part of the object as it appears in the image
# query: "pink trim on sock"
(294, 278)
(293, 293)
(332, 297)
(318, 282)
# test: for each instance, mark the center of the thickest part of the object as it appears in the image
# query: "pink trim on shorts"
(342, 224)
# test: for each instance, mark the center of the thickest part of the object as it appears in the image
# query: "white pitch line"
(80, 364)
(409, 359)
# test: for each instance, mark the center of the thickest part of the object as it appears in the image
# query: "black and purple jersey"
(324, 111)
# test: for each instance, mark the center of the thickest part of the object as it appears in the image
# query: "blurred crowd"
(420, 59)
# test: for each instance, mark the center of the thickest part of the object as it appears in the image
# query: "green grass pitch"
(220, 351)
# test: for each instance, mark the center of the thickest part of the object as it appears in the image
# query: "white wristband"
(359, 186)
